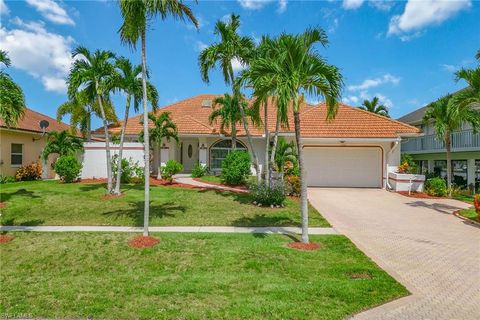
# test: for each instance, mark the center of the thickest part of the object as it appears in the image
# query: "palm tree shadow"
(20, 192)
(136, 210)
(264, 220)
(33, 222)
(243, 198)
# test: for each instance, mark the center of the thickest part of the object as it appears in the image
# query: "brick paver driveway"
(433, 253)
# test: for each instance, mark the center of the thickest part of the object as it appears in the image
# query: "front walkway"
(190, 181)
(419, 242)
(194, 229)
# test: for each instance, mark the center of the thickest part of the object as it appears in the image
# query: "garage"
(360, 167)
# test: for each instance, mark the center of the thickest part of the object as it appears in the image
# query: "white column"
(430, 166)
(202, 151)
(44, 168)
(470, 171)
(164, 157)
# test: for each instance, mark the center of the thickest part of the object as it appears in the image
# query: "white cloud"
(199, 46)
(4, 11)
(237, 65)
(356, 100)
(371, 83)
(44, 55)
(260, 4)
(333, 26)
(382, 5)
(419, 14)
(51, 11)
(450, 67)
(352, 4)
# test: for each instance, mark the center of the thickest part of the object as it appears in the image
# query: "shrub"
(408, 165)
(131, 171)
(68, 168)
(6, 179)
(476, 203)
(171, 168)
(29, 172)
(436, 187)
(292, 185)
(267, 196)
(235, 168)
(199, 171)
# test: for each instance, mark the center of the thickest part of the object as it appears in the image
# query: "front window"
(440, 168)
(459, 168)
(16, 154)
(219, 151)
(422, 166)
(477, 174)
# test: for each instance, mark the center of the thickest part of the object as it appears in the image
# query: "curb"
(470, 221)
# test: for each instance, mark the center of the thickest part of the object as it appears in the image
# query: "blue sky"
(404, 52)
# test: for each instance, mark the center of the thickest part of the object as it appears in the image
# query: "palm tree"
(447, 114)
(61, 143)
(477, 56)
(127, 79)
(136, 16)
(298, 70)
(12, 100)
(163, 128)
(285, 153)
(229, 113)
(232, 47)
(90, 76)
(81, 111)
(374, 106)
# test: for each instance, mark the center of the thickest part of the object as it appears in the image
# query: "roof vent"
(206, 103)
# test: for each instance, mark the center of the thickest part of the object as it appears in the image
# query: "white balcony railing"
(461, 141)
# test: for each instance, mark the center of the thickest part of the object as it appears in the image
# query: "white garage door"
(344, 166)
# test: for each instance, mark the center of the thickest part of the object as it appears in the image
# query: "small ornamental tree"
(171, 168)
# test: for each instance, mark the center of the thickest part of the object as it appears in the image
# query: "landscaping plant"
(236, 168)
(408, 165)
(6, 179)
(199, 171)
(29, 172)
(265, 195)
(131, 171)
(292, 185)
(436, 187)
(68, 168)
(171, 168)
(476, 203)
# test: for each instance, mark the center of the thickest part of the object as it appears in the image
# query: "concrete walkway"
(199, 229)
(419, 242)
(199, 184)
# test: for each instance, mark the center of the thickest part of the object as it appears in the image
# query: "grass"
(470, 214)
(187, 276)
(54, 203)
(463, 197)
(212, 179)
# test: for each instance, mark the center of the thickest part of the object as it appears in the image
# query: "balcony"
(461, 141)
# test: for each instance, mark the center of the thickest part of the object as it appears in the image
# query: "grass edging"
(471, 221)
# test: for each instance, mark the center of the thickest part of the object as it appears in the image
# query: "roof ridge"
(189, 116)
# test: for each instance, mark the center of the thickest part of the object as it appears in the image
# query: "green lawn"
(187, 276)
(464, 198)
(214, 179)
(54, 203)
(470, 214)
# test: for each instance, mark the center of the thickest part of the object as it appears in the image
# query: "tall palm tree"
(231, 47)
(136, 17)
(89, 76)
(477, 56)
(229, 113)
(447, 115)
(299, 70)
(163, 128)
(81, 110)
(61, 143)
(12, 100)
(128, 80)
(374, 106)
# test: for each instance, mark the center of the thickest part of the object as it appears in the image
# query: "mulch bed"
(304, 246)
(143, 242)
(93, 181)
(418, 195)
(5, 238)
(3, 205)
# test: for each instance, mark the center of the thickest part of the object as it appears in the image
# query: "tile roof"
(30, 122)
(192, 118)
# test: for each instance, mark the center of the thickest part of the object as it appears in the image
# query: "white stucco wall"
(94, 158)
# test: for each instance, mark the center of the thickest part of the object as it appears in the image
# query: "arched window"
(219, 150)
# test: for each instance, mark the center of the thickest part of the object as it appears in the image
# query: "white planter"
(406, 181)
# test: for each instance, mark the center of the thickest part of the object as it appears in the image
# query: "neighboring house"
(430, 154)
(24, 143)
(357, 149)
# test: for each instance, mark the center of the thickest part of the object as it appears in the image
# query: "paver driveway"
(433, 253)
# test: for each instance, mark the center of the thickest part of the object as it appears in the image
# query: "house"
(430, 153)
(23, 144)
(357, 149)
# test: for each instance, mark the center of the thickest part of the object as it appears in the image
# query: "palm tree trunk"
(303, 179)
(448, 147)
(250, 142)
(146, 141)
(89, 126)
(234, 136)
(267, 142)
(107, 142)
(275, 140)
(120, 149)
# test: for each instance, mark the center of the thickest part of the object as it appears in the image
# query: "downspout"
(396, 143)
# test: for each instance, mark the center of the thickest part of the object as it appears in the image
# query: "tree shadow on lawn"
(30, 223)
(136, 210)
(265, 220)
(20, 192)
(243, 198)
(95, 186)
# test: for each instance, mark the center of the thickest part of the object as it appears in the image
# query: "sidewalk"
(194, 229)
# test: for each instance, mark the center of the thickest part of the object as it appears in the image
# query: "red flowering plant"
(476, 203)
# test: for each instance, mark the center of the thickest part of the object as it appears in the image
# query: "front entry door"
(189, 154)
